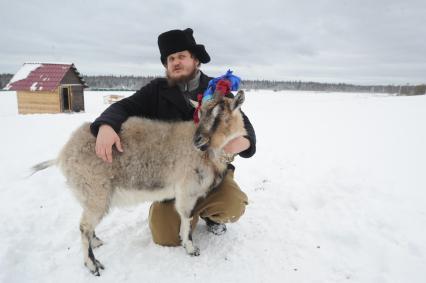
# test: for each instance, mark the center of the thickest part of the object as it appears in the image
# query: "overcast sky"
(363, 42)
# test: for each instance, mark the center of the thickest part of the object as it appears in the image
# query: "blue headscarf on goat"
(223, 84)
(234, 84)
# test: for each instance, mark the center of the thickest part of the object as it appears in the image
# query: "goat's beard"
(182, 79)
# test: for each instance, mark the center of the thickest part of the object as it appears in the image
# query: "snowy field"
(337, 193)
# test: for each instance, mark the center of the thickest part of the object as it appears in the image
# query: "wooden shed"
(48, 88)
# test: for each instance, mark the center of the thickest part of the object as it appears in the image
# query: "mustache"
(182, 79)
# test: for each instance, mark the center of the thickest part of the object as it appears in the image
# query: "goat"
(161, 161)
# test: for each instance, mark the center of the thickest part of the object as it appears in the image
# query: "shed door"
(65, 97)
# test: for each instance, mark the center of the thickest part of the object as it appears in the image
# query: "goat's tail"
(42, 166)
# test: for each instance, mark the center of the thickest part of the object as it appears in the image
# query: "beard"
(181, 79)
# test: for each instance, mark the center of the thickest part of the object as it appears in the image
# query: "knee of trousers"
(164, 223)
(224, 211)
(226, 203)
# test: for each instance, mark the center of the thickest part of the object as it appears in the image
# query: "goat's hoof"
(94, 267)
(194, 251)
(95, 272)
(99, 265)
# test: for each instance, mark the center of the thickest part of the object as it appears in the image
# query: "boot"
(215, 228)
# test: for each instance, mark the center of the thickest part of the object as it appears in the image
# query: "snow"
(336, 194)
(33, 87)
(23, 73)
(51, 63)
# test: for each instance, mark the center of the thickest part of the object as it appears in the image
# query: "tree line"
(132, 83)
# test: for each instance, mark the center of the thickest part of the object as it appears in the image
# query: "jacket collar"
(204, 81)
(175, 96)
(192, 85)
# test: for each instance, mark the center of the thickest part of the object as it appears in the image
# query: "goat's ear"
(193, 103)
(238, 100)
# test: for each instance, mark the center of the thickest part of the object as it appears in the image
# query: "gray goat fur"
(161, 161)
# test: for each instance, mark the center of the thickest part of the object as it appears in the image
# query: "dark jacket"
(157, 100)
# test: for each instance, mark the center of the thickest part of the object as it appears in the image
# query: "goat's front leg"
(184, 206)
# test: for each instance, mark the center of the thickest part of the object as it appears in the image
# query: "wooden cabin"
(48, 88)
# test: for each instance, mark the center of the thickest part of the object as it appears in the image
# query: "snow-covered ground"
(337, 194)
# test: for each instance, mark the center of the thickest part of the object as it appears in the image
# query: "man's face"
(181, 66)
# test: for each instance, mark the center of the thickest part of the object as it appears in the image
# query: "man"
(168, 99)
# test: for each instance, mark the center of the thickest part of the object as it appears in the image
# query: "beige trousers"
(225, 203)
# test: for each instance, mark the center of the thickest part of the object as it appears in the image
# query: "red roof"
(44, 77)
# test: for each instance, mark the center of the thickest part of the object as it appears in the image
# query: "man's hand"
(237, 145)
(106, 138)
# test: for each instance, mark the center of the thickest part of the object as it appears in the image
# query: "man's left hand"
(237, 145)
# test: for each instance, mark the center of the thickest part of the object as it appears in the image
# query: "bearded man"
(168, 99)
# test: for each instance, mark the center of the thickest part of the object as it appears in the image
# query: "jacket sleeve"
(251, 136)
(141, 103)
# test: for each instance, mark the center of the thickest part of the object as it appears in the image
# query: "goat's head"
(220, 121)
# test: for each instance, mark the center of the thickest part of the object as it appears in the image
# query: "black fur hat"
(176, 40)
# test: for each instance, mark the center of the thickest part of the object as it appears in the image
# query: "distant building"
(112, 98)
(48, 88)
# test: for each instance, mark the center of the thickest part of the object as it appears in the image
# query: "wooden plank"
(38, 102)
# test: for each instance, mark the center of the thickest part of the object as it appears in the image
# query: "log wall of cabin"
(30, 102)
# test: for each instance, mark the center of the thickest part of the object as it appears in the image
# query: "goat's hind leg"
(184, 206)
(89, 220)
(96, 242)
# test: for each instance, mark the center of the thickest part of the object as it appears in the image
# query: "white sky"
(363, 42)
